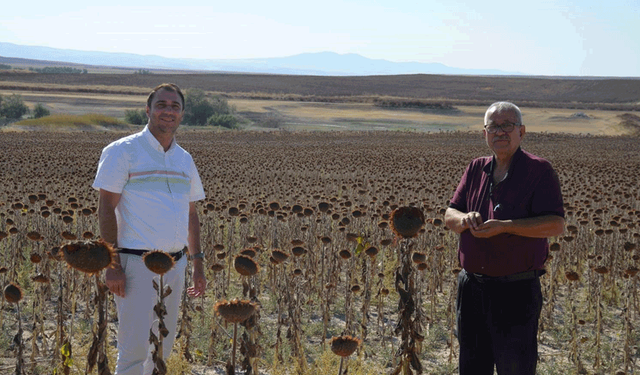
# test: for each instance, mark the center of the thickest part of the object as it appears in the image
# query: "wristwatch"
(200, 255)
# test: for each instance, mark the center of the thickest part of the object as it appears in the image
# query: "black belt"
(176, 256)
(522, 276)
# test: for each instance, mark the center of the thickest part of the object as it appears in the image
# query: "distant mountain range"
(321, 63)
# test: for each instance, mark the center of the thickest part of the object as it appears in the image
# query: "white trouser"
(136, 315)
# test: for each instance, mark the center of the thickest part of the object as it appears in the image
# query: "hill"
(320, 63)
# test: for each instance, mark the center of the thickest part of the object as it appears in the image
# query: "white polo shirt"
(156, 188)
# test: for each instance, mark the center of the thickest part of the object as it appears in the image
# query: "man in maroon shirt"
(504, 208)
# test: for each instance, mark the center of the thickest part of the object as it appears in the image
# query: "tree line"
(59, 70)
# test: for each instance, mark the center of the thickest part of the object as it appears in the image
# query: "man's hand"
(472, 220)
(534, 227)
(459, 221)
(199, 281)
(116, 280)
(488, 229)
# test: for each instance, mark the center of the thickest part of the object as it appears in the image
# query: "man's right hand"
(116, 280)
(471, 220)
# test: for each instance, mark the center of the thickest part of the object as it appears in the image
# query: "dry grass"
(62, 122)
(294, 115)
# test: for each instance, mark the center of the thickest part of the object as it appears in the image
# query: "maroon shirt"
(531, 188)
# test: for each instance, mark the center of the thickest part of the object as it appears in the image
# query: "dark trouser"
(498, 325)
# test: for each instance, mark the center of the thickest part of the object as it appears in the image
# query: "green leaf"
(65, 350)
(361, 245)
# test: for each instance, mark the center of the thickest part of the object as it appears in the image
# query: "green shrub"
(135, 117)
(13, 107)
(227, 121)
(59, 70)
(199, 108)
(40, 111)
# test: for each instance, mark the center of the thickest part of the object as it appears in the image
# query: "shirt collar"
(488, 166)
(154, 142)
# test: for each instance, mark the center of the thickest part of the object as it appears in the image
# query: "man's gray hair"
(503, 107)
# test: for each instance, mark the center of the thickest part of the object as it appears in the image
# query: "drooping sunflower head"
(88, 256)
(245, 265)
(158, 261)
(406, 221)
(344, 346)
(12, 293)
(235, 311)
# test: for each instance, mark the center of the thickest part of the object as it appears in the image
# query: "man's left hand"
(488, 229)
(199, 281)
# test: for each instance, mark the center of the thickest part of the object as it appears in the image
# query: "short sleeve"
(113, 170)
(459, 200)
(547, 197)
(197, 191)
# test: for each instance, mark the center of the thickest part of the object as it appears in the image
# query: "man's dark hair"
(172, 87)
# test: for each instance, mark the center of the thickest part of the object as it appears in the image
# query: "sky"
(547, 37)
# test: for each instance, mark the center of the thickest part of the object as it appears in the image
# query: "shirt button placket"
(167, 166)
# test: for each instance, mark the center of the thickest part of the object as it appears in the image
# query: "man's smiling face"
(165, 113)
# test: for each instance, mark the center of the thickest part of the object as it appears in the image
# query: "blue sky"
(553, 37)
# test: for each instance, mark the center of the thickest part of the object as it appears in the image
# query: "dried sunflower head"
(279, 255)
(35, 258)
(40, 278)
(571, 275)
(419, 257)
(345, 254)
(88, 256)
(371, 251)
(158, 261)
(13, 293)
(216, 267)
(298, 251)
(344, 346)
(235, 311)
(406, 221)
(245, 265)
(250, 252)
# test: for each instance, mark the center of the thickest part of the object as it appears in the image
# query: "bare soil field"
(481, 89)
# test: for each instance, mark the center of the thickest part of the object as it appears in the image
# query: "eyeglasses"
(506, 127)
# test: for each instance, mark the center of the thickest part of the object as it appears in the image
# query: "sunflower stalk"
(160, 368)
(408, 322)
(19, 344)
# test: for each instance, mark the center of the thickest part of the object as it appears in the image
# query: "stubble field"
(323, 199)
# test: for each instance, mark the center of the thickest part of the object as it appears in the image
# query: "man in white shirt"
(148, 188)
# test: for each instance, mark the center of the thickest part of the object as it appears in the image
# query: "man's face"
(165, 113)
(501, 142)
